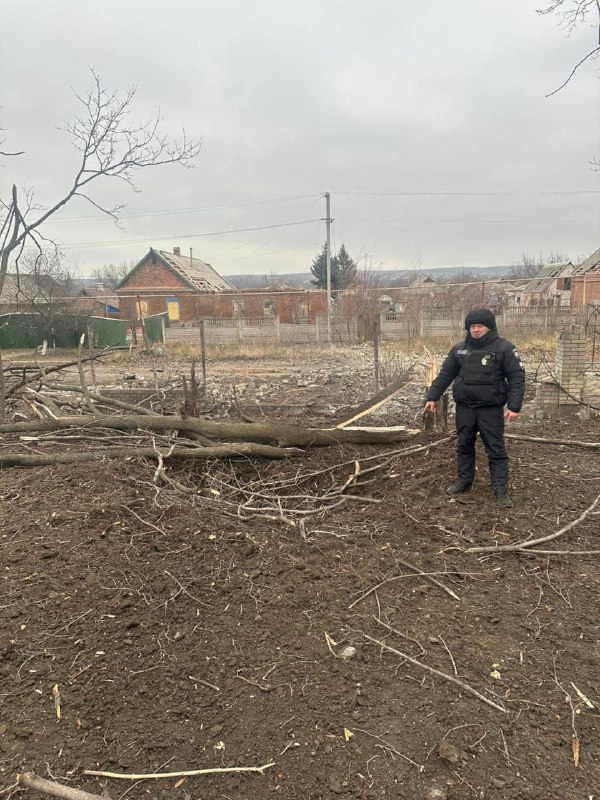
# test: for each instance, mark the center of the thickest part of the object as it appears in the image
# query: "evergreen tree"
(319, 270)
(343, 269)
(346, 269)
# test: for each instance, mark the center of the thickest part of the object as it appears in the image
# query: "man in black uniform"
(488, 373)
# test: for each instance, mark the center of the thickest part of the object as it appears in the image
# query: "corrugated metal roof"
(26, 287)
(204, 277)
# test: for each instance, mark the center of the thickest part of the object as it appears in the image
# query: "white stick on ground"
(183, 774)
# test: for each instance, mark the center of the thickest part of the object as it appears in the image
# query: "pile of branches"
(74, 424)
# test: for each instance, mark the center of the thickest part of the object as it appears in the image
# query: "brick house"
(188, 289)
(289, 305)
(170, 282)
(585, 283)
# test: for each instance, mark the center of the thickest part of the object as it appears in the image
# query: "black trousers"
(489, 422)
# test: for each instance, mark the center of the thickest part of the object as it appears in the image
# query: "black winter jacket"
(486, 372)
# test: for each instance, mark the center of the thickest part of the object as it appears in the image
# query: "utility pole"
(328, 252)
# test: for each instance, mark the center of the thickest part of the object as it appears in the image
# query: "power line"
(467, 220)
(188, 235)
(222, 206)
(471, 194)
(171, 212)
(268, 239)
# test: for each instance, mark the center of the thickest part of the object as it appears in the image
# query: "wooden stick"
(184, 774)
(56, 368)
(379, 400)
(542, 440)
(418, 574)
(31, 781)
(429, 577)
(564, 552)
(433, 671)
(511, 548)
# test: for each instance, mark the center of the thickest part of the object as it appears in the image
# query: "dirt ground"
(178, 636)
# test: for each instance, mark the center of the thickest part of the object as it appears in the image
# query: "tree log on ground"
(247, 449)
(273, 432)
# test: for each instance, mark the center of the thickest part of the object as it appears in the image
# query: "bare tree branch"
(572, 14)
(111, 147)
(573, 71)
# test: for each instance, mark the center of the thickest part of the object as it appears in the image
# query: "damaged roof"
(544, 279)
(197, 274)
(591, 264)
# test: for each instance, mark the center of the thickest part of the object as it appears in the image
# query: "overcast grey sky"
(293, 99)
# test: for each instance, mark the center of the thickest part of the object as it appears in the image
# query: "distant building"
(34, 292)
(585, 283)
(422, 282)
(550, 286)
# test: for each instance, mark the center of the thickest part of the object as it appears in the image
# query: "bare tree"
(574, 13)
(110, 146)
(112, 274)
(7, 153)
(44, 284)
(528, 265)
(362, 301)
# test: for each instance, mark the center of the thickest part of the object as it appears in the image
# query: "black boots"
(502, 497)
(460, 487)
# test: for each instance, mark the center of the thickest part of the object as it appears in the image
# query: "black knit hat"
(481, 316)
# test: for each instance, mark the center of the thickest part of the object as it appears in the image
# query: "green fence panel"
(154, 326)
(65, 331)
(20, 331)
(26, 331)
(109, 332)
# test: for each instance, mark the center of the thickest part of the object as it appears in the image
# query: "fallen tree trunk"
(247, 449)
(273, 432)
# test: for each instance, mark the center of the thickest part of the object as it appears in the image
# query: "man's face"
(477, 331)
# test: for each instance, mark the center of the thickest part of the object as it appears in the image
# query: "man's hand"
(510, 416)
(429, 407)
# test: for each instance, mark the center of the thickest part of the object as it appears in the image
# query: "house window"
(269, 308)
(173, 309)
(239, 308)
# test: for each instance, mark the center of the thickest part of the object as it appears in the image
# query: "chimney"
(177, 251)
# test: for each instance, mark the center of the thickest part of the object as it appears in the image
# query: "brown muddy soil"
(181, 637)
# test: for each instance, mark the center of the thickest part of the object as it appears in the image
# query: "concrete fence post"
(317, 332)
(239, 329)
(277, 329)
